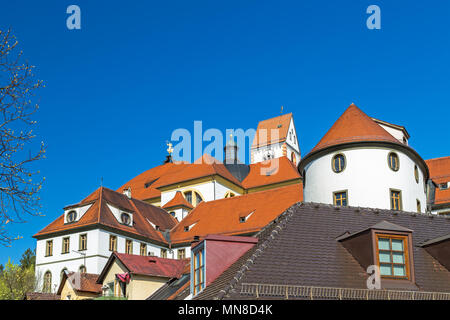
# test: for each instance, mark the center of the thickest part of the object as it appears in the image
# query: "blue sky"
(137, 70)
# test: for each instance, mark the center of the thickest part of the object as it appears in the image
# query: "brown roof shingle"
(302, 249)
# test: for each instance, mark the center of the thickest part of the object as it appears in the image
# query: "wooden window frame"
(339, 192)
(400, 199)
(163, 253)
(143, 249)
(343, 166)
(128, 246)
(81, 242)
(200, 267)
(49, 244)
(181, 254)
(114, 240)
(395, 169)
(405, 252)
(229, 194)
(63, 250)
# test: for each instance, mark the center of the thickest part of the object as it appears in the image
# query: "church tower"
(275, 138)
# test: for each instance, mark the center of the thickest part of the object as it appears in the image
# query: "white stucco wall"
(367, 179)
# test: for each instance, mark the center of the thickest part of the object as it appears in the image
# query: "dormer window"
(388, 246)
(392, 256)
(125, 218)
(71, 216)
(443, 186)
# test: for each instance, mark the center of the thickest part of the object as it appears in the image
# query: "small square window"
(340, 198)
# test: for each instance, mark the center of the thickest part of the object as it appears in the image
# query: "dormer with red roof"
(274, 138)
(359, 163)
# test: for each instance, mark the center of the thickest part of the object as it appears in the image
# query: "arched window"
(416, 174)
(71, 216)
(47, 287)
(338, 163)
(293, 158)
(229, 194)
(82, 269)
(193, 197)
(62, 274)
(125, 217)
(393, 161)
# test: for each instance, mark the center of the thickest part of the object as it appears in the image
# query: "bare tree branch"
(18, 190)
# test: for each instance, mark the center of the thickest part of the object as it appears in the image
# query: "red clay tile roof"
(87, 282)
(222, 216)
(354, 126)
(143, 185)
(178, 200)
(152, 266)
(204, 166)
(270, 172)
(440, 173)
(99, 213)
(265, 127)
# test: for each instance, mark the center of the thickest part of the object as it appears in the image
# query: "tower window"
(419, 209)
(338, 163)
(416, 174)
(393, 161)
(392, 256)
(340, 198)
(396, 200)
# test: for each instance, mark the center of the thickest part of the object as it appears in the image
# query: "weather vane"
(169, 149)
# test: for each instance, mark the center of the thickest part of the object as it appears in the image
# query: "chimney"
(127, 192)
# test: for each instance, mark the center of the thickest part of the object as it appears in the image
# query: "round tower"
(359, 163)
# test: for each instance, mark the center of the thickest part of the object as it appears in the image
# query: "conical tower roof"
(354, 126)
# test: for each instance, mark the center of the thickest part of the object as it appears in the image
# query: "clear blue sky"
(137, 70)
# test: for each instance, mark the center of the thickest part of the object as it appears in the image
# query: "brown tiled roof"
(147, 265)
(222, 216)
(354, 126)
(42, 296)
(87, 282)
(440, 173)
(265, 127)
(178, 201)
(270, 172)
(301, 249)
(100, 214)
